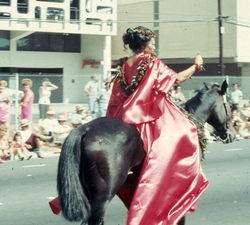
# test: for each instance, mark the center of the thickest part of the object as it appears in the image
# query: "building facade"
(66, 41)
(185, 27)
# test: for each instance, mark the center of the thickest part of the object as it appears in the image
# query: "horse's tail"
(74, 202)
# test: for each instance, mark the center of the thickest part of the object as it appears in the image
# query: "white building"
(185, 27)
(64, 40)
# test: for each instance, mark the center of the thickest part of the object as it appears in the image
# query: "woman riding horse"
(171, 179)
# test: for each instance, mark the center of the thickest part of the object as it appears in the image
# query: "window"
(4, 40)
(50, 42)
(50, 0)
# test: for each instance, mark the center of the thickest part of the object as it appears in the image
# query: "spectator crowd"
(52, 128)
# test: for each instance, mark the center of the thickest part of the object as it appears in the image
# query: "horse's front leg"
(182, 221)
(102, 223)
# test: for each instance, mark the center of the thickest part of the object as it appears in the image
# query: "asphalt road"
(27, 186)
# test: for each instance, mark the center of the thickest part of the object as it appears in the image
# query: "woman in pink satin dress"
(5, 102)
(171, 180)
(27, 100)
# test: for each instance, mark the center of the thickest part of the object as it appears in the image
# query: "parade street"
(27, 186)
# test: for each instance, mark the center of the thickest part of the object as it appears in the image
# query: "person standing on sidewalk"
(91, 90)
(27, 100)
(44, 97)
(235, 97)
(5, 102)
(103, 99)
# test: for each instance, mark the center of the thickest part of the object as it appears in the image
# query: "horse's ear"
(205, 84)
(224, 87)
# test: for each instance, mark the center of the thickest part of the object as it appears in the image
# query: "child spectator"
(18, 148)
(32, 139)
(4, 144)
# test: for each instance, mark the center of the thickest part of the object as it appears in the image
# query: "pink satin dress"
(4, 108)
(26, 111)
(171, 180)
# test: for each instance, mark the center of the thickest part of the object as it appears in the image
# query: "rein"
(226, 110)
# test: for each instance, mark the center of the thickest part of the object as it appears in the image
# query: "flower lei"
(201, 132)
(141, 70)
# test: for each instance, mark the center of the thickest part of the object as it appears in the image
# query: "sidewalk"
(49, 151)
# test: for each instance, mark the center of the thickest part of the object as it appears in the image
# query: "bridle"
(228, 116)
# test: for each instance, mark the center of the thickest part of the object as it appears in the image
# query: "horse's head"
(220, 113)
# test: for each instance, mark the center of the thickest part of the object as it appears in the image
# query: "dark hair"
(137, 38)
(45, 80)
(16, 135)
(176, 87)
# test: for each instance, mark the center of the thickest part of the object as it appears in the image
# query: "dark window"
(50, 42)
(22, 6)
(156, 13)
(157, 40)
(50, 0)
(4, 2)
(4, 40)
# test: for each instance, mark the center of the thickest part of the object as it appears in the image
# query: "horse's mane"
(193, 103)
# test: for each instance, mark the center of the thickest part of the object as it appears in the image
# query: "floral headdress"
(145, 32)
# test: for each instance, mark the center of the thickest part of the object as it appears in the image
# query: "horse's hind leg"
(97, 212)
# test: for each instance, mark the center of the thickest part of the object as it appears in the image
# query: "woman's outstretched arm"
(187, 73)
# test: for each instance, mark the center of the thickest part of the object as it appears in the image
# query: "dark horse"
(96, 158)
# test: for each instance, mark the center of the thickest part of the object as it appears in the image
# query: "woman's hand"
(186, 74)
(198, 60)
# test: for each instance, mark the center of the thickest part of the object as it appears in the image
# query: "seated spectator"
(49, 125)
(81, 116)
(18, 148)
(245, 112)
(4, 144)
(63, 129)
(177, 96)
(208, 131)
(32, 139)
(239, 125)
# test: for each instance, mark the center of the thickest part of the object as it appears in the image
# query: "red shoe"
(55, 206)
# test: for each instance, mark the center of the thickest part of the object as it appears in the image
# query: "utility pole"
(221, 32)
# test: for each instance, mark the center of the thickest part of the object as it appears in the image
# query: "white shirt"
(235, 96)
(25, 134)
(44, 95)
(92, 87)
(50, 125)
